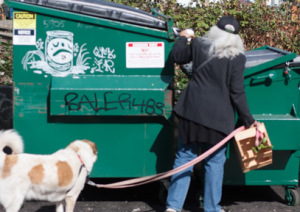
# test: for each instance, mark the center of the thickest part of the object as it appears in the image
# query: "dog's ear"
(7, 150)
(92, 145)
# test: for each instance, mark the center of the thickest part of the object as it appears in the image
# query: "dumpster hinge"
(169, 21)
(286, 73)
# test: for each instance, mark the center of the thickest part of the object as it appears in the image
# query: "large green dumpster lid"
(268, 57)
(102, 9)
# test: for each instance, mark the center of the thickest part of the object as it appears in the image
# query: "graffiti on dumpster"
(54, 24)
(103, 60)
(124, 101)
(59, 56)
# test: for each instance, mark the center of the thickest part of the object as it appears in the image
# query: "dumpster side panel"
(283, 171)
(273, 97)
(130, 143)
(65, 48)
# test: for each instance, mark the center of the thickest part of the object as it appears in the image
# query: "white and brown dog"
(58, 177)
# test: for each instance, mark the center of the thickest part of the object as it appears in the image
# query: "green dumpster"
(95, 70)
(272, 85)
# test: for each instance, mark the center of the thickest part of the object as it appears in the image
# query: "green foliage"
(260, 25)
(180, 81)
(6, 65)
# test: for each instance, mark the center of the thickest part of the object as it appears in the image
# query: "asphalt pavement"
(148, 198)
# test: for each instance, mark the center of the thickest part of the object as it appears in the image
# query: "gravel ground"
(146, 199)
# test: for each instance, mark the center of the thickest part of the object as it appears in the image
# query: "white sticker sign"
(145, 55)
(24, 32)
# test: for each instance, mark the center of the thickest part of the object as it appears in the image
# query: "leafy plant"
(180, 81)
(6, 65)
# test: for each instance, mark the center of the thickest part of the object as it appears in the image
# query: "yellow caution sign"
(24, 20)
(24, 24)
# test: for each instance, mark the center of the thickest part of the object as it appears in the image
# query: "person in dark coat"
(207, 106)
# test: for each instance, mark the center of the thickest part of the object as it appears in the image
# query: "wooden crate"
(250, 160)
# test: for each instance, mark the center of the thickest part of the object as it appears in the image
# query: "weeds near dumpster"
(6, 65)
(180, 82)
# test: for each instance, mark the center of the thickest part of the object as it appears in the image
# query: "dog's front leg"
(73, 194)
(71, 198)
(70, 203)
(14, 208)
(14, 201)
(60, 206)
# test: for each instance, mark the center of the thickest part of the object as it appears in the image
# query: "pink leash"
(152, 178)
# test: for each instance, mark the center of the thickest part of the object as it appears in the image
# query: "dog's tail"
(11, 142)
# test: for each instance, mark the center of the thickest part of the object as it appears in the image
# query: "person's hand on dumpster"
(188, 33)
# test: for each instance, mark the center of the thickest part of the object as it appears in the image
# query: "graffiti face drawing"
(59, 50)
(59, 56)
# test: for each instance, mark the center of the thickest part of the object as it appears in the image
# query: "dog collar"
(82, 165)
(79, 172)
(80, 159)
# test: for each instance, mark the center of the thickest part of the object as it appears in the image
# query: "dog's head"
(87, 151)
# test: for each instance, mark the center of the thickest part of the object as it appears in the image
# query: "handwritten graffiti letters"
(109, 101)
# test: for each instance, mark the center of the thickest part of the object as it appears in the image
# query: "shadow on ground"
(154, 195)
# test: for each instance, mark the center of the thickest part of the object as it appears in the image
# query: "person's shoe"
(223, 210)
(170, 210)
